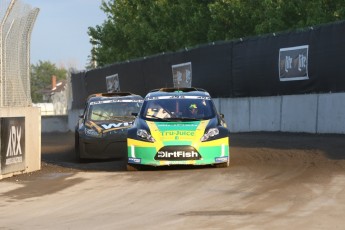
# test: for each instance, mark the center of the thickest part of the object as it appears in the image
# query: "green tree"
(324, 11)
(240, 18)
(41, 74)
(136, 28)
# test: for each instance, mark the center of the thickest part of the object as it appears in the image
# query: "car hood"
(177, 131)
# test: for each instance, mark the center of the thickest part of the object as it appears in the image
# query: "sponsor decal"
(95, 130)
(177, 153)
(116, 125)
(188, 162)
(170, 124)
(92, 132)
(221, 159)
(134, 160)
(114, 101)
(14, 149)
(178, 97)
(12, 144)
(178, 133)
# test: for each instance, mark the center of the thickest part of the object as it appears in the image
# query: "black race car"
(102, 128)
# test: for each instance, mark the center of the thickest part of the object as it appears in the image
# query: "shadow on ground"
(58, 148)
(332, 145)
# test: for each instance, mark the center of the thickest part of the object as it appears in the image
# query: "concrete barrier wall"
(312, 113)
(331, 113)
(56, 123)
(317, 113)
(32, 136)
(299, 114)
(265, 114)
(73, 117)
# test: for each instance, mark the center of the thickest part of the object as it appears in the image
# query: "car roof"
(115, 95)
(178, 91)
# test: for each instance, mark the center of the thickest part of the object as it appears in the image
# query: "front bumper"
(210, 152)
(98, 148)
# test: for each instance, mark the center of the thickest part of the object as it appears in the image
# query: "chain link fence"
(16, 23)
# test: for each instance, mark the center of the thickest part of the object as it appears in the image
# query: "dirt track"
(275, 181)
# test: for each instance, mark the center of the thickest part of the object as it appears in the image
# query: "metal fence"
(16, 23)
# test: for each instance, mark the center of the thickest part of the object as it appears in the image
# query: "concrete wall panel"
(73, 117)
(236, 112)
(299, 113)
(265, 113)
(331, 115)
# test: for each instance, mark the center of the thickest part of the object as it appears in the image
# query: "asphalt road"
(275, 181)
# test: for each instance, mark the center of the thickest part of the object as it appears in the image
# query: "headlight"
(92, 133)
(210, 133)
(142, 133)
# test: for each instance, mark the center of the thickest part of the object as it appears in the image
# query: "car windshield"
(113, 109)
(178, 108)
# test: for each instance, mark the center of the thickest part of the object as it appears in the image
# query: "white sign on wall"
(113, 83)
(293, 63)
(182, 75)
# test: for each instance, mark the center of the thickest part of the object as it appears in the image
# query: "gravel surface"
(275, 181)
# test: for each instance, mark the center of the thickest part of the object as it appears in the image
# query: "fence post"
(2, 66)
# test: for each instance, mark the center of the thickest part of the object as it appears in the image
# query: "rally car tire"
(132, 167)
(76, 147)
(222, 165)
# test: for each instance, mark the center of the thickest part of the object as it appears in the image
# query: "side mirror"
(221, 115)
(81, 115)
(134, 114)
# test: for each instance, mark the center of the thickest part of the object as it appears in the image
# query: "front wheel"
(133, 167)
(76, 147)
(222, 165)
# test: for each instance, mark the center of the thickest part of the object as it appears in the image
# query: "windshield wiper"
(187, 118)
(100, 115)
(116, 118)
(157, 118)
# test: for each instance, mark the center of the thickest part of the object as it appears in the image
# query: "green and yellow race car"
(178, 126)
